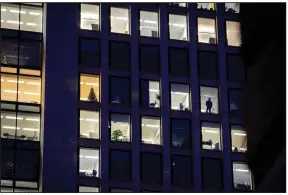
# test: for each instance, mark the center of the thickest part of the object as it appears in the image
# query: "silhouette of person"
(181, 106)
(209, 105)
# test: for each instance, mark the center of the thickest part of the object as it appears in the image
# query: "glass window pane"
(90, 17)
(232, 7)
(89, 88)
(211, 136)
(238, 138)
(178, 61)
(212, 173)
(90, 52)
(236, 103)
(206, 31)
(151, 168)
(27, 168)
(8, 124)
(30, 72)
(177, 4)
(10, 16)
(119, 90)
(180, 130)
(31, 18)
(6, 190)
(26, 184)
(9, 51)
(30, 54)
(120, 165)
(149, 59)
(120, 127)
(207, 65)
(151, 130)
(209, 100)
(88, 189)
(233, 33)
(206, 6)
(119, 55)
(7, 163)
(119, 20)
(28, 126)
(9, 87)
(29, 89)
(89, 162)
(9, 70)
(25, 190)
(181, 170)
(180, 97)
(178, 27)
(89, 124)
(150, 94)
(236, 69)
(242, 176)
(149, 24)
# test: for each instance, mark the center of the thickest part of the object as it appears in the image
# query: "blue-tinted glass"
(180, 133)
(27, 168)
(7, 163)
(207, 65)
(90, 53)
(236, 102)
(181, 170)
(212, 173)
(178, 61)
(119, 55)
(151, 168)
(9, 51)
(120, 90)
(236, 69)
(149, 59)
(120, 165)
(30, 54)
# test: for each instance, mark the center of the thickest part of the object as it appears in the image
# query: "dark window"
(30, 53)
(119, 90)
(181, 170)
(119, 190)
(236, 68)
(149, 59)
(9, 51)
(89, 52)
(236, 102)
(119, 55)
(207, 65)
(7, 163)
(180, 133)
(26, 168)
(151, 168)
(178, 61)
(212, 173)
(120, 165)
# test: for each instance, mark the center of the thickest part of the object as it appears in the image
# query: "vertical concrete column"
(223, 94)
(60, 97)
(194, 84)
(165, 108)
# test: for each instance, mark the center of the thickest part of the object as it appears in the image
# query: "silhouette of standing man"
(209, 105)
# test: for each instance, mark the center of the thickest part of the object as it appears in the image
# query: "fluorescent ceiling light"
(17, 11)
(81, 83)
(80, 156)
(179, 25)
(210, 131)
(206, 29)
(2, 79)
(157, 126)
(10, 127)
(34, 13)
(14, 22)
(91, 120)
(150, 22)
(148, 27)
(33, 83)
(11, 91)
(3, 10)
(154, 90)
(91, 157)
(83, 99)
(30, 129)
(32, 119)
(30, 93)
(13, 117)
(94, 84)
(242, 170)
(179, 93)
(30, 24)
(121, 18)
(14, 81)
(209, 96)
(2, 20)
(240, 134)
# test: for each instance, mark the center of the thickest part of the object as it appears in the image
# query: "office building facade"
(122, 97)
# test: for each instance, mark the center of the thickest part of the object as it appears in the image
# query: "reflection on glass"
(89, 88)
(238, 138)
(119, 20)
(209, 100)
(180, 133)
(178, 27)
(233, 33)
(211, 136)
(119, 90)
(206, 6)
(149, 24)
(206, 31)
(89, 124)
(120, 127)
(89, 162)
(151, 130)
(180, 97)
(90, 17)
(242, 176)
(236, 102)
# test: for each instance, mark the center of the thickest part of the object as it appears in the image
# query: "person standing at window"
(209, 105)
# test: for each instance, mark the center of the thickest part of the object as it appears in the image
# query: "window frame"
(120, 6)
(80, 39)
(161, 133)
(215, 29)
(252, 178)
(110, 89)
(79, 23)
(170, 97)
(201, 136)
(190, 133)
(109, 163)
(109, 127)
(217, 64)
(226, 38)
(221, 170)
(158, 22)
(110, 52)
(79, 126)
(218, 98)
(79, 88)
(161, 166)
(78, 162)
(140, 58)
(187, 25)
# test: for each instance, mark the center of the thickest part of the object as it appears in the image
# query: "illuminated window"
(177, 4)
(233, 33)
(88, 189)
(120, 127)
(178, 27)
(9, 87)
(150, 94)
(149, 24)
(89, 88)
(206, 6)
(119, 20)
(238, 138)
(151, 130)
(242, 177)
(90, 17)
(89, 124)
(89, 162)
(211, 136)
(180, 97)
(206, 31)
(232, 8)
(209, 100)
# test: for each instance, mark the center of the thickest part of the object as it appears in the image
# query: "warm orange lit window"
(9, 87)
(89, 88)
